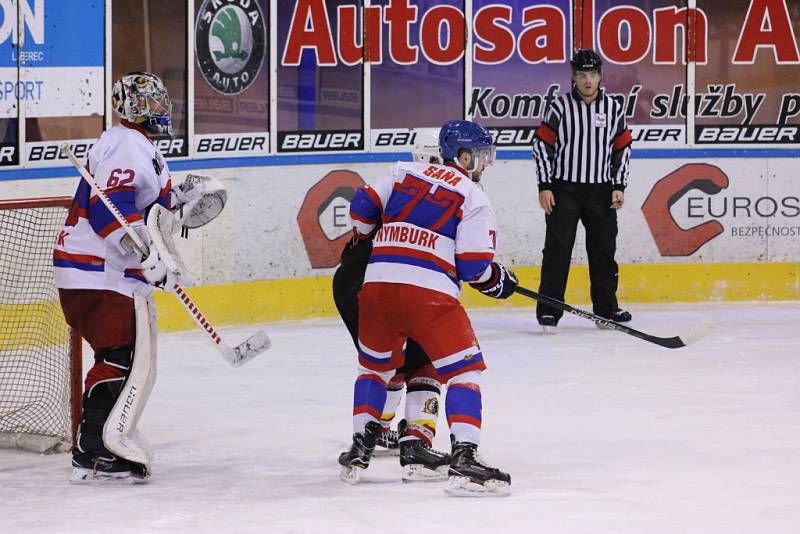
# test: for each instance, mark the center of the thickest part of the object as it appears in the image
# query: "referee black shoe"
(547, 320)
(620, 316)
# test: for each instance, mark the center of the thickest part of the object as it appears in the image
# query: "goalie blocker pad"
(120, 435)
(160, 223)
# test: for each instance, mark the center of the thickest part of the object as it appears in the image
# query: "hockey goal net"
(40, 357)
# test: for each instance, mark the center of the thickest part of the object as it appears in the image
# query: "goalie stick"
(235, 356)
(698, 332)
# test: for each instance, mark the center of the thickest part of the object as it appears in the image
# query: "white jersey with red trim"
(437, 228)
(88, 253)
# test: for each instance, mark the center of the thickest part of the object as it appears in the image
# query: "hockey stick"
(698, 332)
(235, 356)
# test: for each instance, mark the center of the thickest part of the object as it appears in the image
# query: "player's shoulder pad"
(137, 149)
(417, 167)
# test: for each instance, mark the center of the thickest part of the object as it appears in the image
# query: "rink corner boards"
(311, 297)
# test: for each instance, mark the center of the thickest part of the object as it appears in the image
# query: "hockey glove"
(500, 284)
(199, 200)
(155, 270)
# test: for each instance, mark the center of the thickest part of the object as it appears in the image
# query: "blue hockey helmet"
(456, 135)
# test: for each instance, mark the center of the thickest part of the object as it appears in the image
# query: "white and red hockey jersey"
(134, 175)
(437, 228)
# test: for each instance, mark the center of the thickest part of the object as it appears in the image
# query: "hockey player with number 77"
(437, 229)
(105, 281)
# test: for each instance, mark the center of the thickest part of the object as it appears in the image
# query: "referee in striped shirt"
(582, 151)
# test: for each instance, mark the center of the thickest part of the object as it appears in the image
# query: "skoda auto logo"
(229, 43)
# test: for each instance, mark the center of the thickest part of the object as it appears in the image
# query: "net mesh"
(34, 338)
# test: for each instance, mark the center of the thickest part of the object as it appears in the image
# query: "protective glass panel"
(320, 76)
(151, 36)
(644, 49)
(747, 90)
(520, 54)
(419, 80)
(231, 91)
(61, 73)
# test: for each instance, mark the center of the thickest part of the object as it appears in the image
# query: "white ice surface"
(601, 432)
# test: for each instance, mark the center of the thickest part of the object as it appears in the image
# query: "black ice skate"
(470, 477)
(387, 443)
(422, 463)
(357, 458)
(105, 469)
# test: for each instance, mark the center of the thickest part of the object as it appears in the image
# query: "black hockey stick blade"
(700, 330)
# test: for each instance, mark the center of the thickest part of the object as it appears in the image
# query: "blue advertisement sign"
(57, 68)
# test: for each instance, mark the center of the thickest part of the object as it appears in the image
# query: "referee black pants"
(589, 204)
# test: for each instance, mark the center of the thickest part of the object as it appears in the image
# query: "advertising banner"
(60, 65)
(231, 98)
(320, 76)
(727, 70)
(746, 55)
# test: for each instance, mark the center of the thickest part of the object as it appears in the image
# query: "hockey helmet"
(426, 147)
(586, 59)
(459, 135)
(141, 98)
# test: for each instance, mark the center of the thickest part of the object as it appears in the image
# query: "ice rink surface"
(601, 433)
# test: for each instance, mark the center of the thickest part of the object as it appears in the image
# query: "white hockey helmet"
(426, 147)
(141, 98)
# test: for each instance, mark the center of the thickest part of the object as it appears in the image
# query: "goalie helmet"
(141, 98)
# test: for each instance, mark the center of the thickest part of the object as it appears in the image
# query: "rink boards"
(692, 229)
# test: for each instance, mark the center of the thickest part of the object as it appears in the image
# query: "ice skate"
(422, 463)
(87, 470)
(470, 477)
(387, 443)
(357, 459)
(548, 324)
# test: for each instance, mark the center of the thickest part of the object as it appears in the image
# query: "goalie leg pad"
(102, 389)
(119, 433)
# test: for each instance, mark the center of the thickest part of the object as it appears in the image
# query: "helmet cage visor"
(154, 111)
(483, 154)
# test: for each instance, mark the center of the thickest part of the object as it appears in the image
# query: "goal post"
(40, 357)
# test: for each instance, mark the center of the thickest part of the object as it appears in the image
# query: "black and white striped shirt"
(583, 143)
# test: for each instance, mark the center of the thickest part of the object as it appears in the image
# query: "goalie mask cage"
(40, 357)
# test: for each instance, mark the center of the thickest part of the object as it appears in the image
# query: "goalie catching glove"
(501, 282)
(198, 201)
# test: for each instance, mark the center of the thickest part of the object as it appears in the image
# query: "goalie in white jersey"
(105, 284)
(437, 229)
